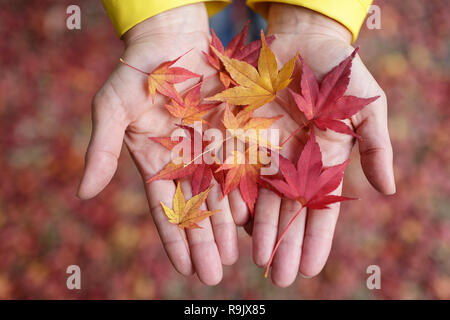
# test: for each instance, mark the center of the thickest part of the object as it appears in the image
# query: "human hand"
(323, 43)
(122, 110)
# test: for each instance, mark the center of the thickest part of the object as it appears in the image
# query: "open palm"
(307, 244)
(123, 111)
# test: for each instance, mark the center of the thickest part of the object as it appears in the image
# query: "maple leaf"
(308, 183)
(187, 214)
(244, 174)
(164, 76)
(202, 173)
(255, 87)
(190, 110)
(236, 49)
(241, 122)
(326, 105)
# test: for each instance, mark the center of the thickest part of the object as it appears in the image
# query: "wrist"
(182, 20)
(285, 18)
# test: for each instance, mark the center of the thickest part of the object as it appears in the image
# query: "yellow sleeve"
(350, 13)
(125, 14)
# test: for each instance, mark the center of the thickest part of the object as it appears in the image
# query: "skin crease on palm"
(123, 112)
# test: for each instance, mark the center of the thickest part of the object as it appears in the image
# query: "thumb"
(375, 145)
(108, 128)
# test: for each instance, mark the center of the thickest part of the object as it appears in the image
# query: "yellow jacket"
(125, 14)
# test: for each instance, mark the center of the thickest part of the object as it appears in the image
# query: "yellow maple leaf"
(187, 214)
(255, 87)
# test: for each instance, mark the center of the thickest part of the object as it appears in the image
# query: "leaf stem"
(292, 134)
(184, 239)
(128, 65)
(286, 108)
(279, 241)
(283, 103)
(198, 83)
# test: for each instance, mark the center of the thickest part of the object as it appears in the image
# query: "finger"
(239, 209)
(265, 226)
(320, 226)
(223, 225)
(172, 237)
(108, 128)
(375, 145)
(204, 252)
(287, 258)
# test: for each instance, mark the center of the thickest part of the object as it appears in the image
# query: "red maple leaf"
(308, 183)
(326, 105)
(202, 173)
(236, 49)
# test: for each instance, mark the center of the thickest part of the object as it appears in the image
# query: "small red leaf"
(326, 105)
(201, 179)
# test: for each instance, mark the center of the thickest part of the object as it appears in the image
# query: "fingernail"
(303, 276)
(392, 189)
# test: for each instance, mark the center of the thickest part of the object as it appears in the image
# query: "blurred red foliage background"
(48, 77)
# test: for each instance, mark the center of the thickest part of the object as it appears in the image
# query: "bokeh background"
(48, 75)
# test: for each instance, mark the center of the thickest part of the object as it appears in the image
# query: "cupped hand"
(323, 43)
(122, 110)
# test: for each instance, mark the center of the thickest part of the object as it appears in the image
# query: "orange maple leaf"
(240, 124)
(187, 214)
(164, 76)
(190, 110)
(243, 172)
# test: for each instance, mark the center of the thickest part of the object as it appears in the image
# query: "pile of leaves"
(251, 79)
